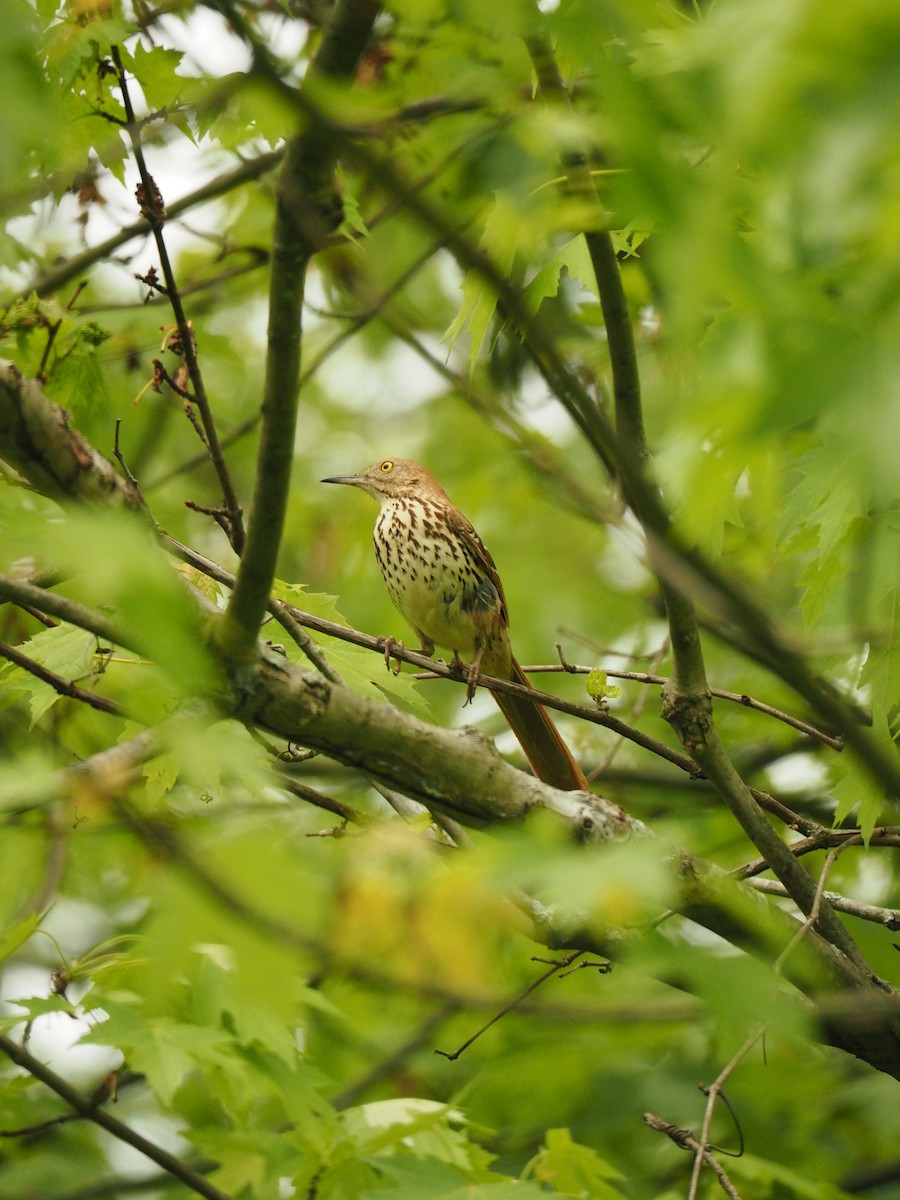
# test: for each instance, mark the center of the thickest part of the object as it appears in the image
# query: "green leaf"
(156, 70)
(573, 1170)
(827, 497)
(67, 651)
(479, 302)
(248, 1163)
(359, 668)
(161, 775)
(881, 670)
(855, 790)
(598, 689)
(75, 48)
(18, 933)
(79, 383)
(163, 1049)
(573, 258)
(32, 1007)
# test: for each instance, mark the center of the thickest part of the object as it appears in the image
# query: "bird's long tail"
(550, 757)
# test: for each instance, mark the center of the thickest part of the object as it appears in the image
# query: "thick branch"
(37, 439)
(308, 209)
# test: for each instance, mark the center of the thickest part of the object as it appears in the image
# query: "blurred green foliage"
(287, 982)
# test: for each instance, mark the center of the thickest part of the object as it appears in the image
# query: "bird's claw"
(390, 644)
(466, 674)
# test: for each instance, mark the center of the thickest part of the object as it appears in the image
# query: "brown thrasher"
(443, 580)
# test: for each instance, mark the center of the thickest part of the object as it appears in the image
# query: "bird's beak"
(352, 479)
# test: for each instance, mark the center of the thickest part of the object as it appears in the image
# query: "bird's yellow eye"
(387, 466)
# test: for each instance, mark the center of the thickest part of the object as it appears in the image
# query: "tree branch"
(60, 274)
(686, 699)
(686, 1140)
(18, 591)
(151, 204)
(48, 452)
(65, 687)
(307, 211)
(87, 1107)
(462, 774)
(674, 559)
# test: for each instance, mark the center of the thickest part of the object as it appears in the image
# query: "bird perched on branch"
(443, 580)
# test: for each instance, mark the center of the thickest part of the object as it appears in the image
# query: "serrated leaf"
(65, 650)
(248, 1163)
(161, 775)
(500, 240)
(74, 48)
(827, 497)
(41, 1006)
(881, 671)
(857, 793)
(319, 604)
(113, 153)
(204, 584)
(359, 668)
(79, 383)
(353, 218)
(156, 70)
(572, 1169)
(163, 1049)
(821, 578)
(573, 258)
(362, 671)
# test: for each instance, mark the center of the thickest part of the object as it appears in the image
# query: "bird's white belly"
(427, 580)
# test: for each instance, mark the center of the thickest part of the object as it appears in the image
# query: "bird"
(442, 578)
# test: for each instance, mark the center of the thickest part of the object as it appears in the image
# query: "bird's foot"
(390, 644)
(466, 674)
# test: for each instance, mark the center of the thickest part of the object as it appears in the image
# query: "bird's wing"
(480, 554)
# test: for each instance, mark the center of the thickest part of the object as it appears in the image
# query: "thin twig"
(59, 684)
(882, 835)
(152, 208)
(888, 918)
(712, 1095)
(285, 617)
(686, 1140)
(120, 459)
(88, 1107)
(636, 709)
(552, 970)
(813, 917)
(836, 743)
